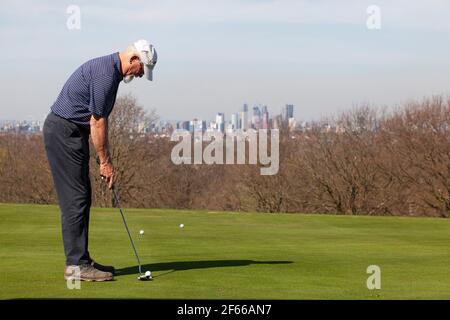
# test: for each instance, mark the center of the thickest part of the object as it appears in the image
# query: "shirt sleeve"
(101, 95)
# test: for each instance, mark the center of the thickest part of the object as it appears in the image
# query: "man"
(82, 109)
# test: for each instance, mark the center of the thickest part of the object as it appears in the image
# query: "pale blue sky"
(215, 55)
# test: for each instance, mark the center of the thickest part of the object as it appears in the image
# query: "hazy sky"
(215, 55)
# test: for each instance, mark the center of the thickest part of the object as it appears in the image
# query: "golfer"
(82, 109)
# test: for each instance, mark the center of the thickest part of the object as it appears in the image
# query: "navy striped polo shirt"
(91, 89)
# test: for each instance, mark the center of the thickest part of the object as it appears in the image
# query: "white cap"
(148, 56)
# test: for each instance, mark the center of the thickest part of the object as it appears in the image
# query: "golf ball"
(148, 274)
(141, 232)
(181, 225)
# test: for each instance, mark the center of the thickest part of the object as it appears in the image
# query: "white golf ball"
(181, 225)
(148, 274)
(141, 232)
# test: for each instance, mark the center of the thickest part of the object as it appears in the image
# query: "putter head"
(144, 277)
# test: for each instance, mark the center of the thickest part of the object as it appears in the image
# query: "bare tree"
(24, 172)
(129, 146)
(364, 161)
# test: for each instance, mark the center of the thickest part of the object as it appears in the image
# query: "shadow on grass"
(189, 265)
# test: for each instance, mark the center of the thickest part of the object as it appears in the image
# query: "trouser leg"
(67, 150)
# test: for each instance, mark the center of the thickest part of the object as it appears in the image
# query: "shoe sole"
(89, 279)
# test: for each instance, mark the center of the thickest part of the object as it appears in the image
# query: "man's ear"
(133, 58)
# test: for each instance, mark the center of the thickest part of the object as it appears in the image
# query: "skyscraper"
(243, 121)
(264, 109)
(265, 118)
(287, 112)
(256, 118)
(234, 121)
(220, 122)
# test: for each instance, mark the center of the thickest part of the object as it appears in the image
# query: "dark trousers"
(67, 147)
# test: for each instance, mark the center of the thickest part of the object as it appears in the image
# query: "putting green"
(220, 255)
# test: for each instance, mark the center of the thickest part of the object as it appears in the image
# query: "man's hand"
(107, 172)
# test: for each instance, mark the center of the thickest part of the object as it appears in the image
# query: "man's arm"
(99, 134)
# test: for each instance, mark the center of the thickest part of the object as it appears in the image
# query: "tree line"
(365, 161)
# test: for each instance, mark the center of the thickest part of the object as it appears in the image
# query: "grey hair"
(132, 49)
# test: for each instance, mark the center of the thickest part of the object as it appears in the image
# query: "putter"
(142, 276)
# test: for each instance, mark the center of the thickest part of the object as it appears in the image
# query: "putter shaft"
(116, 198)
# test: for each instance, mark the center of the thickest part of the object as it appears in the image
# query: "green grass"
(222, 255)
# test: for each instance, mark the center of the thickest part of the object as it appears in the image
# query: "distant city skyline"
(238, 122)
(241, 120)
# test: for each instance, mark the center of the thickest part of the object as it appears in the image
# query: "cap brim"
(148, 72)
